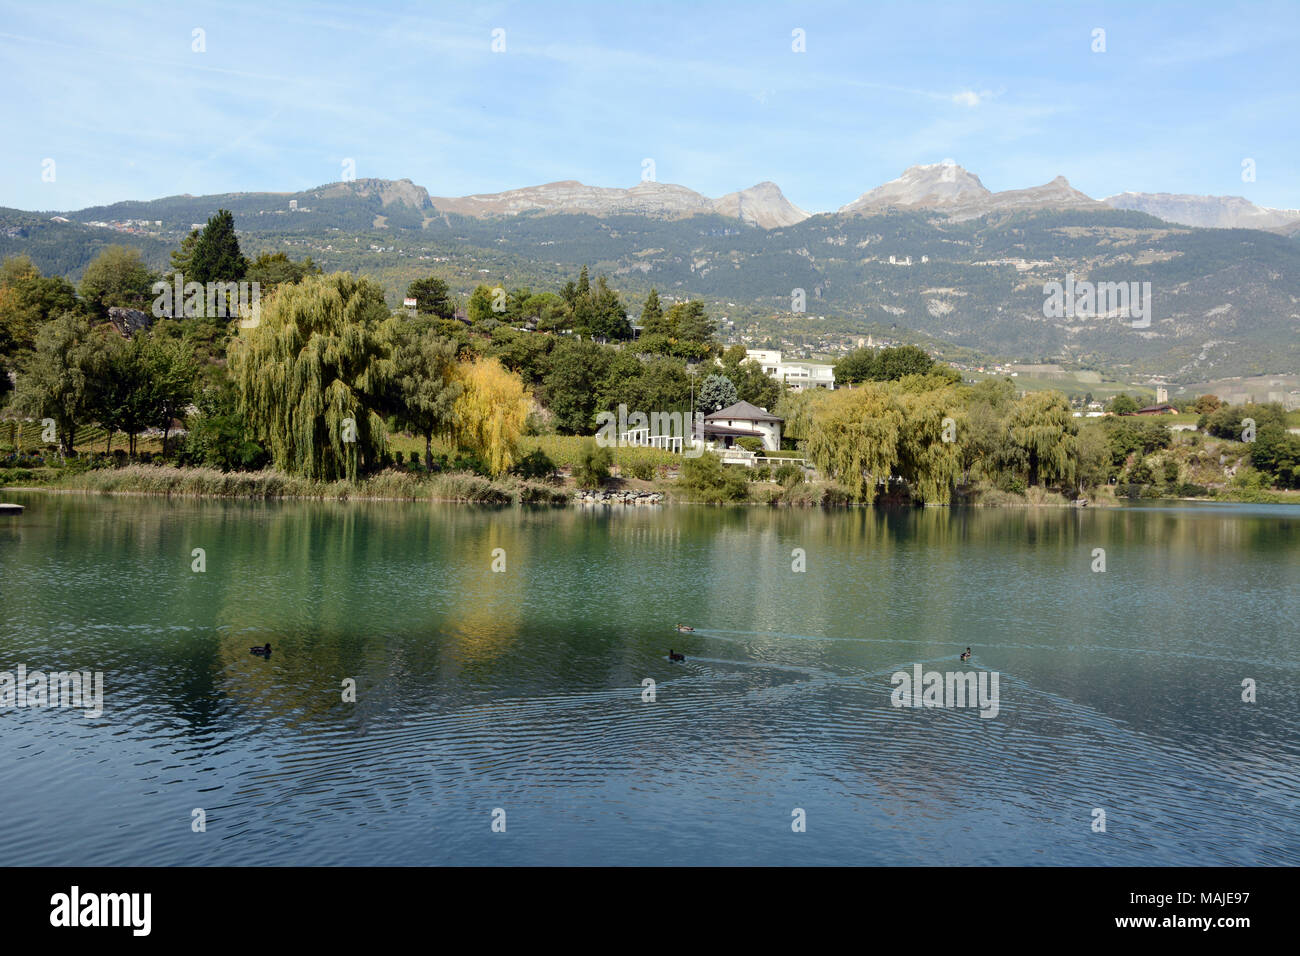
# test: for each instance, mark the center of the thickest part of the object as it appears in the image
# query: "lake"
(513, 700)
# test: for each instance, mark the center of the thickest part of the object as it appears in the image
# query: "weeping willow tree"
(490, 413)
(929, 443)
(909, 430)
(853, 437)
(1043, 426)
(313, 374)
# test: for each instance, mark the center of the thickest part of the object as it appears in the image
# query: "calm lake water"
(522, 690)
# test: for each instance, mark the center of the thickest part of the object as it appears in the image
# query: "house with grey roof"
(723, 427)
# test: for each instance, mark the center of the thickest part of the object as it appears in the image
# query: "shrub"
(1011, 483)
(707, 479)
(750, 443)
(467, 461)
(592, 467)
(535, 464)
(643, 470)
(15, 476)
(788, 475)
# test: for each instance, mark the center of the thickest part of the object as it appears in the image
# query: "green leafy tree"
(1133, 436)
(117, 276)
(571, 388)
(523, 353)
(1229, 421)
(272, 269)
(27, 301)
(1276, 453)
(662, 386)
(927, 460)
(124, 397)
(1206, 404)
(174, 370)
(426, 387)
(1093, 468)
(1123, 404)
(883, 365)
(57, 378)
(218, 435)
(707, 479)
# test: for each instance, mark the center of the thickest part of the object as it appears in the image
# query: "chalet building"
(743, 420)
(1157, 410)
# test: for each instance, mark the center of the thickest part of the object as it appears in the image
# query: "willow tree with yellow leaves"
(312, 375)
(489, 416)
(929, 450)
(908, 430)
(853, 437)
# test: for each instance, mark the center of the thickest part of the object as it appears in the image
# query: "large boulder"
(129, 321)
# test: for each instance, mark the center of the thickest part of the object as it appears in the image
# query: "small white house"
(741, 420)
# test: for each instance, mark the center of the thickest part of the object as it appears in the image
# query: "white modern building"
(798, 375)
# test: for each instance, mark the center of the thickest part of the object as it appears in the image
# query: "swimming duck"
(264, 651)
(685, 628)
(674, 656)
(966, 656)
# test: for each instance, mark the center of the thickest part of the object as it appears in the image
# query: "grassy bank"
(210, 483)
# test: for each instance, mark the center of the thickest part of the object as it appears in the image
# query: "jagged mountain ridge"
(949, 190)
(762, 205)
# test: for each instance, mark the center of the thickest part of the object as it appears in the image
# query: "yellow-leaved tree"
(490, 414)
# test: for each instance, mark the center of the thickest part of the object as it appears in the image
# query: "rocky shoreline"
(618, 498)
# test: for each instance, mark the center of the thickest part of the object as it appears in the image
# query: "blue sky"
(713, 93)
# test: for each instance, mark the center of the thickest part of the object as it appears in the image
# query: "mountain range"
(933, 256)
(941, 188)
